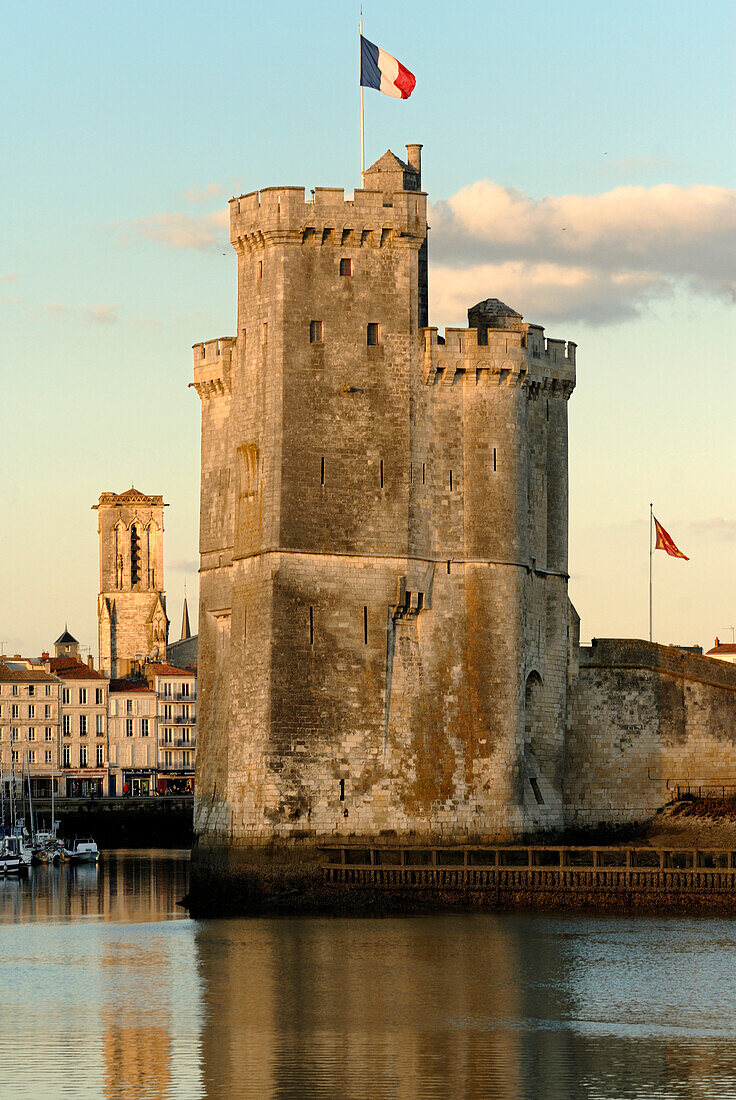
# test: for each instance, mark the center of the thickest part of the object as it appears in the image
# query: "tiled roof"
(35, 675)
(69, 669)
(161, 669)
(722, 649)
(129, 686)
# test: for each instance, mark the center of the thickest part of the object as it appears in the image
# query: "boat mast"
(30, 798)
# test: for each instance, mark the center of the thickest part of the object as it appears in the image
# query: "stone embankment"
(150, 822)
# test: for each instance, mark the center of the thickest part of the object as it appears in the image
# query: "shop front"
(138, 782)
(175, 782)
(84, 783)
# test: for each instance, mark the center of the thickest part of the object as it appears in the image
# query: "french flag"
(383, 72)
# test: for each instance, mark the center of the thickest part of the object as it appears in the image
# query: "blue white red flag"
(383, 72)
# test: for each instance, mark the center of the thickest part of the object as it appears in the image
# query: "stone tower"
(383, 611)
(131, 606)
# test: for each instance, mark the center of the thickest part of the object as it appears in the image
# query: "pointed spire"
(185, 629)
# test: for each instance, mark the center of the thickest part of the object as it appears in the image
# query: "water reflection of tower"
(387, 1008)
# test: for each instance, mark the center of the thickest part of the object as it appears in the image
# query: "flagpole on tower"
(651, 514)
(362, 125)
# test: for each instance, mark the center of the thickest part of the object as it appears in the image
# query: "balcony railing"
(177, 743)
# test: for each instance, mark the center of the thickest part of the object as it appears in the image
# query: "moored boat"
(82, 850)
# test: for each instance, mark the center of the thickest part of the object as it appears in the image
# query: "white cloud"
(202, 194)
(597, 258)
(102, 313)
(209, 231)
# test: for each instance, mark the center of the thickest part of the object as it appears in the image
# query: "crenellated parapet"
(517, 355)
(283, 215)
(213, 366)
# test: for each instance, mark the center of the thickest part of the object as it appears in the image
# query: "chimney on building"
(414, 160)
(90, 661)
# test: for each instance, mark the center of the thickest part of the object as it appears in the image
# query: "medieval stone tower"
(384, 621)
(131, 606)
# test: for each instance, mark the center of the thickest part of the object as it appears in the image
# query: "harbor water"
(110, 990)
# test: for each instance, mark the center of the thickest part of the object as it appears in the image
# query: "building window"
(47, 710)
(15, 689)
(144, 727)
(47, 735)
(32, 710)
(66, 725)
(15, 711)
(13, 733)
(373, 334)
(83, 756)
(315, 332)
(185, 711)
(185, 736)
(346, 267)
(185, 689)
(135, 556)
(167, 711)
(82, 725)
(14, 755)
(66, 757)
(128, 727)
(128, 706)
(32, 756)
(100, 725)
(66, 695)
(260, 269)
(186, 759)
(99, 696)
(167, 759)
(167, 736)
(32, 733)
(31, 689)
(100, 756)
(48, 689)
(168, 691)
(47, 756)
(82, 696)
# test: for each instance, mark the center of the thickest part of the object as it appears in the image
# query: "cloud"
(204, 233)
(102, 313)
(596, 258)
(184, 565)
(202, 194)
(720, 528)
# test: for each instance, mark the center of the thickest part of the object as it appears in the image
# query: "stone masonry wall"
(642, 715)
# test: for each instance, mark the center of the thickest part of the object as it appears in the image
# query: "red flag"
(664, 542)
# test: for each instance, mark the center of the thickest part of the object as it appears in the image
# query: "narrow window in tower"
(315, 332)
(322, 470)
(265, 332)
(245, 625)
(448, 565)
(424, 472)
(311, 626)
(342, 790)
(494, 460)
(346, 267)
(450, 480)
(135, 556)
(365, 626)
(245, 338)
(373, 334)
(411, 473)
(381, 473)
(548, 410)
(260, 269)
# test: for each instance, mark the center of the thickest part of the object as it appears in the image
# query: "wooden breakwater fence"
(615, 877)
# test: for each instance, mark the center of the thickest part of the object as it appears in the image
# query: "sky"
(581, 166)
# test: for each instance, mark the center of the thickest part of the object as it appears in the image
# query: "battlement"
(212, 366)
(327, 217)
(517, 355)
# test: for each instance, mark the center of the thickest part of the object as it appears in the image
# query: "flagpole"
(650, 571)
(362, 124)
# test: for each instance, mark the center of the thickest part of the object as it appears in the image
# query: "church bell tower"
(131, 606)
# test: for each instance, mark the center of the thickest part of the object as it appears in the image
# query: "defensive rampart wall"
(643, 720)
